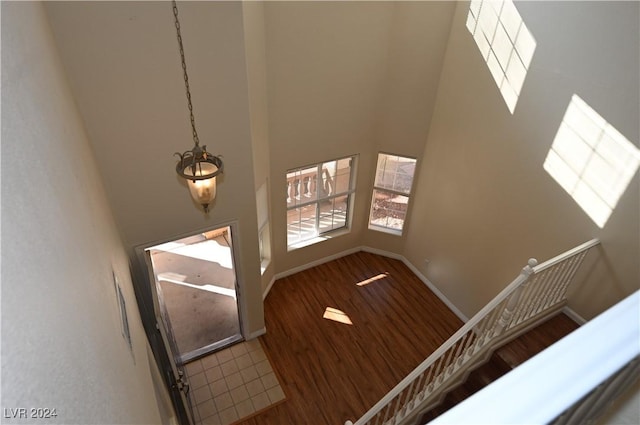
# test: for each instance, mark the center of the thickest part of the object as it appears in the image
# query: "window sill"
(316, 240)
(385, 230)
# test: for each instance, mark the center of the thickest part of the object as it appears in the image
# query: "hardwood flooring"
(528, 345)
(332, 371)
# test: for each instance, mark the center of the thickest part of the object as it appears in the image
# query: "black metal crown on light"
(197, 166)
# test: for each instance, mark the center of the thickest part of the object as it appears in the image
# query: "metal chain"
(186, 77)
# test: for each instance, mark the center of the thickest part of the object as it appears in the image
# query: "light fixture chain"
(186, 76)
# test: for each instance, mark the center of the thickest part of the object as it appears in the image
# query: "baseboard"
(420, 276)
(268, 288)
(383, 253)
(573, 315)
(307, 266)
(255, 334)
(436, 291)
(316, 263)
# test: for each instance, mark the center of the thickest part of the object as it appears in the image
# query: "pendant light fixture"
(197, 166)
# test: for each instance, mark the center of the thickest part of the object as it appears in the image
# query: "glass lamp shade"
(202, 191)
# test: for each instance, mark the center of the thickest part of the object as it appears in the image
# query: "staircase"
(534, 296)
(503, 360)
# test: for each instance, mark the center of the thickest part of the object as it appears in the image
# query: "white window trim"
(409, 195)
(329, 234)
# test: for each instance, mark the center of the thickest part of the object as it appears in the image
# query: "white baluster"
(307, 186)
(298, 184)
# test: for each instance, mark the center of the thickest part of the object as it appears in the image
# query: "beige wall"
(485, 204)
(279, 85)
(62, 346)
(418, 39)
(348, 78)
(123, 63)
(325, 66)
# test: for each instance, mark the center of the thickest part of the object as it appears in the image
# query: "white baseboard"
(382, 252)
(316, 263)
(255, 334)
(436, 291)
(268, 288)
(376, 251)
(420, 276)
(573, 315)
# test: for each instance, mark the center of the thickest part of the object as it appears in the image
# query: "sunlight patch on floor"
(372, 279)
(591, 160)
(336, 315)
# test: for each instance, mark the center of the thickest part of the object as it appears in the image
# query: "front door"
(196, 292)
(197, 272)
(176, 376)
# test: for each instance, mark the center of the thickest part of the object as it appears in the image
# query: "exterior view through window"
(318, 200)
(391, 189)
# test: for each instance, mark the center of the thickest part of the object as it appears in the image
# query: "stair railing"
(574, 381)
(537, 293)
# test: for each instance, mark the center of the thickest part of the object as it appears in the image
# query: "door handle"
(182, 385)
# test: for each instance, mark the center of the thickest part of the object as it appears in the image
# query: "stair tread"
(531, 343)
(504, 360)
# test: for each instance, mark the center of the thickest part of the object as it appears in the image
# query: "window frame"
(320, 235)
(375, 188)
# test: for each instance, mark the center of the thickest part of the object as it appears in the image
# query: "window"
(391, 189)
(318, 200)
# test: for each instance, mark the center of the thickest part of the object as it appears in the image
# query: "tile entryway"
(232, 384)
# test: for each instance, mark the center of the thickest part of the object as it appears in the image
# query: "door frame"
(170, 365)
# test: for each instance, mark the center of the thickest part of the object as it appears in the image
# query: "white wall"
(485, 204)
(62, 346)
(124, 67)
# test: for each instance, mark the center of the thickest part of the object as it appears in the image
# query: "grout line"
(255, 359)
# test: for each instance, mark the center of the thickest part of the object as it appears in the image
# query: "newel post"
(514, 299)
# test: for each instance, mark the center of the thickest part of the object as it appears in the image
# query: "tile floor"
(232, 384)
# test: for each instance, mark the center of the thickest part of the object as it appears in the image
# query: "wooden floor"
(332, 371)
(528, 345)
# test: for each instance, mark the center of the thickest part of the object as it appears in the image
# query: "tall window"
(391, 190)
(318, 200)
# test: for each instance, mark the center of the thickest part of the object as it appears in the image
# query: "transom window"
(391, 190)
(318, 200)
